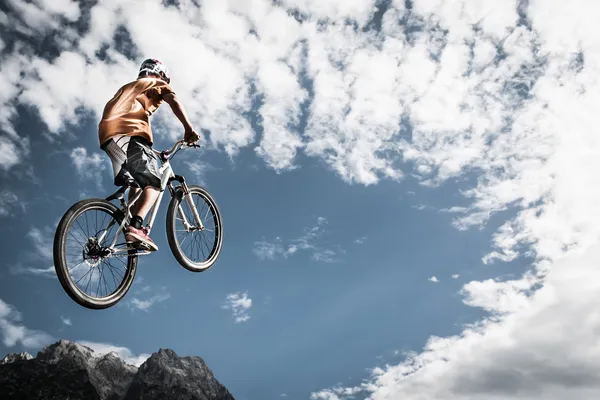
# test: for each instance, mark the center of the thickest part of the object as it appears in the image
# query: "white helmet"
(152, 66)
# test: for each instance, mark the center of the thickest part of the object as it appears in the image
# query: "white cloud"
(67, 8)
(144, 304)
(46, 272)
(433, 279)
(360, 240)
(239, 303)
(13, 332)
(531, 353)
(265, 250)
(42, 249)
(455, 276)
(198, 169)
(283, 96)
(42, 245)
(336, 10)
(89, 166)
(42, 241)
(326, 255)
(261, 55)
(7, 201)
(336, 393)
(521, 122)
(9, 153)
(123, 352)
(535, 156)
(356, 111)
(66, 321)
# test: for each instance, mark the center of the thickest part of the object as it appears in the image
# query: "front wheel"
(195, 247)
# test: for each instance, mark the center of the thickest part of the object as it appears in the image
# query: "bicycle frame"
(167, 176)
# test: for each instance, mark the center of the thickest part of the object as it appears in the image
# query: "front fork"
(188, 197)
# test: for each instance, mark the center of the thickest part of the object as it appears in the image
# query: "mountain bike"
(90, 250)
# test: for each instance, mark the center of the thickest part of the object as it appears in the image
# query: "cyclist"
(125, 135)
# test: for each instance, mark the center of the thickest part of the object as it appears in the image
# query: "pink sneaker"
(134, 235)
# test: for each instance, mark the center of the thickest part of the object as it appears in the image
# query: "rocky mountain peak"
(70, 370)
(13, 357)
(65, 349)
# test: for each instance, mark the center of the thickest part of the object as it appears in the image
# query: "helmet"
(152, 66)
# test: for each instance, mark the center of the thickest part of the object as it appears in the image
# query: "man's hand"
(190, 136)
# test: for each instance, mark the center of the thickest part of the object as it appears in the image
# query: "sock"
(137, 221)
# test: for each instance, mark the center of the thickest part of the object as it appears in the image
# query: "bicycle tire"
(171, 230)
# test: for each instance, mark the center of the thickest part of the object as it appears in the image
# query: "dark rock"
(33, 379)
(167, 376)
(69, 371)
(112, 376)
(16, 357)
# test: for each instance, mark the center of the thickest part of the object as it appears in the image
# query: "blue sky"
(324, 320)
(408, 206)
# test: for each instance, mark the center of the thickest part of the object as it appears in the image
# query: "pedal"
(144, 247)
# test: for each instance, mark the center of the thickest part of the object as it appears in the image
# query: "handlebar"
(165, 155)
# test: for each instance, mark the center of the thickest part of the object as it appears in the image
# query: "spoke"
(199, 244)
(105, 283)
(87, 223)
(207, 246)
(89, 284)
(107, 261)
(99, 281)
(189, 243)
(104, 218)
(76, 265)
(82, 230)
(112, 273)
(202, 242)
(108, 238)
(207, 210)
(180, 244)
(82, 236)
(124, 263)
(81, 244)
(83, 276)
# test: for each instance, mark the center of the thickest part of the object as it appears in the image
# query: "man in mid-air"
(125, 135)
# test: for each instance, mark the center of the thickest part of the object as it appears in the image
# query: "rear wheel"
(195, 248)
(91, 274)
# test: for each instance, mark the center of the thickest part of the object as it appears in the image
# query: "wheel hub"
(93, 253)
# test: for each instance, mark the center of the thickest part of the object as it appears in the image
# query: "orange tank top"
(128, 112)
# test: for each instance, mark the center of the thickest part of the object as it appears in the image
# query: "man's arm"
(190, 135)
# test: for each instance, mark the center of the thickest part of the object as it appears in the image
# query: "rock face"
(16, 357)
(66, 370)
(166, 376)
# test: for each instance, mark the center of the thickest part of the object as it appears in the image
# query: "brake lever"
(193, 145)
(165, 155)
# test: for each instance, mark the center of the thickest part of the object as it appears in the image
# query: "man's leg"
(139, 164)
(143, 166)
(143, 205)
